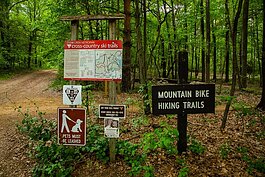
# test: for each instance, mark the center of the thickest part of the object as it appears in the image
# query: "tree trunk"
(175, 58)
(244, 42)
(208, 41)
(261, 104)
(214, 57)
(139, 47)
(126, 69)
(30, 50)
(227, 56)
(202, 43)
(147, 106)
(163, 58)
(233, 37)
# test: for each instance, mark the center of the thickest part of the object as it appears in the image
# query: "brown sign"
(72, 126)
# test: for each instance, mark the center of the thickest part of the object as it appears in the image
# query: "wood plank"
(93, 17)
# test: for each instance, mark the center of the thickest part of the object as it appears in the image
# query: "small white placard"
(72, 95)
(111, 127)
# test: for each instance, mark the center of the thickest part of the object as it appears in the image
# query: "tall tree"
(214, 55)
(208, 41)
(227, 55)
(244, 43)
(126, 84)
(202, 42)
(261, 104)
(139, 46)
(233, 32)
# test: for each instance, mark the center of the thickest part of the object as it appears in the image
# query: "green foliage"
(132, 156)
(164, 138)
(96, 143)
(88, 99)
(36, 127)
(59, 82)
(227, 98)
(140, 121)
(184, 170)
(242, 109)
(136, 155)
(196, 147)
(254, 163)
(146, 91)
(5, 75)
(257, 164)
(171, 116)
(54, 159)
(51, 159)
(224, 150)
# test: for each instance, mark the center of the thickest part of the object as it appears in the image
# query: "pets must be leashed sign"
(72, 126)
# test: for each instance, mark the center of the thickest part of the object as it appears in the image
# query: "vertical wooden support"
(182, 118)
(106, 88)
(74, 29)
(112, 92)
(74, 36)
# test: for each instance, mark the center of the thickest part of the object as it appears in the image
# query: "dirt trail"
(30, 91)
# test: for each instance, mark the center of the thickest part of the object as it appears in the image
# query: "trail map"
(93, 60)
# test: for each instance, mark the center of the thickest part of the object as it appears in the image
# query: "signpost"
(71, 126)
(95, 60)
(183, 99)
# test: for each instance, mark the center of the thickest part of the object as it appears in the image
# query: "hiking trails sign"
(183, 98)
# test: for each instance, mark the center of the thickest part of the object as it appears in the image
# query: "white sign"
(93, 60)
(111, 127)
(72, 95)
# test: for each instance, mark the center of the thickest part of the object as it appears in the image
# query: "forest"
(224, 43)
(212, 32)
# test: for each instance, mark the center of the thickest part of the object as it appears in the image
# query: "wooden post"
(182, 118)
(112, 93)
(74, 36)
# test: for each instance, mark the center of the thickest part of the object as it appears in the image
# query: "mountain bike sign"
(93, 60)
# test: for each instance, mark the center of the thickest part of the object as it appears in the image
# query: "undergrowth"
(53, 159)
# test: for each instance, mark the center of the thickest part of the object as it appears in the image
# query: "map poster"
(97, 60)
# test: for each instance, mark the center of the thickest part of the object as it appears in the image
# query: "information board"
(185, 98)
(98, 60)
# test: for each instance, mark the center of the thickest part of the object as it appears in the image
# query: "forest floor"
(222, 156)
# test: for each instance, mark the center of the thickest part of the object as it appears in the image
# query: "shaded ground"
(30, 91)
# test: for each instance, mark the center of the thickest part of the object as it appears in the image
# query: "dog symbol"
(76, 128)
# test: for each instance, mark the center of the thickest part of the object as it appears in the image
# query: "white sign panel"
(111, 127)
(72, 95)
(97, 60)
